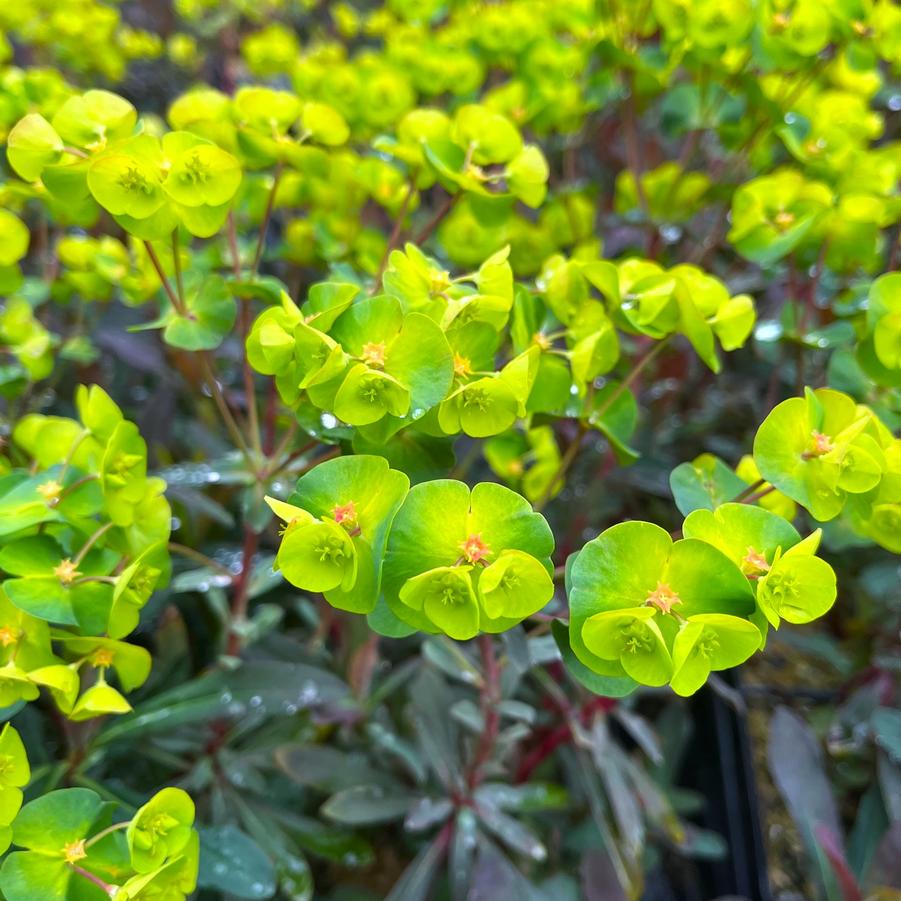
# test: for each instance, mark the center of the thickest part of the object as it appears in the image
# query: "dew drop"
(670, 233)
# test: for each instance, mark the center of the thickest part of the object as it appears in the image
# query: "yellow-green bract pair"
(463, 561)
(833, 455)
(657, 611)
(83, 535)
(455, 561)
(65, 834)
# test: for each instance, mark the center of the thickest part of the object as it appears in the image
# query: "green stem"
(636, 370)
(91, 542)
(176, 263)
(105, 832)
(189, 552)
(572, 451)
(428, 229)
(267, 215)
(222, 405)
(253, 416)
(747, 492)
(395, 234)
(68, 461)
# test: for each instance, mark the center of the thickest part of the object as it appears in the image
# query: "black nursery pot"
(718, 765)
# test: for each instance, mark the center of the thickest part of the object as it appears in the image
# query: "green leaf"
(704, 484)
(211, 313)
(233, 863)
(14, 238)
(27, 876)
(365, 805)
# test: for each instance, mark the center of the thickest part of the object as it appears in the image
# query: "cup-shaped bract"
(446, 539)
(709, 642)
(798, 587)
(820, 448)
(405, 363)
(161, 829)
(337, 525)
(199, 172)
(32, 145)
(633, 640)
(515, 585)
(636, 566)
(15, 774)
(127, 178)
(100, 699)
(446, 597)
(788, 580)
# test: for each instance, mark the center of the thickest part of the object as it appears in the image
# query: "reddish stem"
(103, 886)
(558, 736)
(241, 586)
(491, 715)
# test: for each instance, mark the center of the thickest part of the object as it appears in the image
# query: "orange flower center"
(820, 444)
(102, 657)
(663, 598)
(8, 636)
(66, 572)
(346, 515)
(462, 366)
(754, 564)
(374, 354)
(784, 219)
(474, 549)
(50, 490)
(74, 851)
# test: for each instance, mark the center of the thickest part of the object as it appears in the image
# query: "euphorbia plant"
(428, 235)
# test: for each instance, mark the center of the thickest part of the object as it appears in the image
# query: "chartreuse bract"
(83, 534)
(442, 557)
(427, 164)
(71, 843)
(658, 611)
(463, 561)
(790, 582)
(336, 526)
(833, 456)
